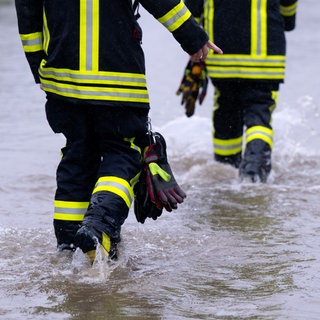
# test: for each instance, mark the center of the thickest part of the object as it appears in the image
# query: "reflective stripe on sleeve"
(32, 42)
(288, 11)
(175, 17)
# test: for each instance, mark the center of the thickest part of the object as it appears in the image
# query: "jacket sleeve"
(176, 17)
(30, 24)
(196, 8)
(288, 10)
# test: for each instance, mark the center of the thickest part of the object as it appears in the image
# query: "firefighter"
(246, 77)
(88, 58)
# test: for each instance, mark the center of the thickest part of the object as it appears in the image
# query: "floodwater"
(232, 250)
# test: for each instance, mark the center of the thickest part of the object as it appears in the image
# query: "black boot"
(233, 160)
(87, 239)
(256, 163)
(102, 225)
(65, 232)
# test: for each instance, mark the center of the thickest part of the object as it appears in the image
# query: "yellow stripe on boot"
(106, 246)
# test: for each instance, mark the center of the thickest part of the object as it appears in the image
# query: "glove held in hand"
(163, 189)
(157, 187)
(194, 79)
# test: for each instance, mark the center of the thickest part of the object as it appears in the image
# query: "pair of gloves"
(193, 85)
(157, 188)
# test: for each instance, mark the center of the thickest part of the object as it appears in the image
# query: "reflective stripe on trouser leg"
(227, 147)
(67, 218)
(259, 132)
(69, 210)
(116, 185)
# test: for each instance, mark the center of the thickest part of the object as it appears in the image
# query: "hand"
(203, 52)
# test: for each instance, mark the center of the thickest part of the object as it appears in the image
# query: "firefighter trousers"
(100, 164)
(242, 107)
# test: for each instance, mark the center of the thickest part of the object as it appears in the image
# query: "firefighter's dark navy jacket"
(90, 50)
(251, 35)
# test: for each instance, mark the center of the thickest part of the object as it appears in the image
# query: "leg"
(227, 124)
(118, 131)
(260, 101)
(77, 170)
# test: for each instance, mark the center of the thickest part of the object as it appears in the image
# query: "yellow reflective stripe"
(254, 27)
(106, 243)
(68, 217)
(96, 92)
(91, 77)
(275, 97)
(116, 185)
(32, 42)
(46, 33)
(135, 180)
(69, 210)
(132, 145)
(72, 204)
(216, 97)
(89, 35)
(264, 28)
(259, 132)
(227, 147)
(209, 18)
(95, 35)
(83, 35)
(247, 60)
(259, 27)
(155, 169)
(250, 73)
(246, 66)
(173, 19)
(288, 11)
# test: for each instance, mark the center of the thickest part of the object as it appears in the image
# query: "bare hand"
(203, 52)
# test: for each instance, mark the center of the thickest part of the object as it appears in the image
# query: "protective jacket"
(251, 35)
(90, 50)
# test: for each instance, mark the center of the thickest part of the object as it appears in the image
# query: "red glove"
(143, 206)
(163, 189)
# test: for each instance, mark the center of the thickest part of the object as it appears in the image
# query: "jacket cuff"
(191, 36)
(34, 60)
(289, 23)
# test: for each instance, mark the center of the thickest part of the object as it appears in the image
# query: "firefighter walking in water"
(87, 55)
(246, 77)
